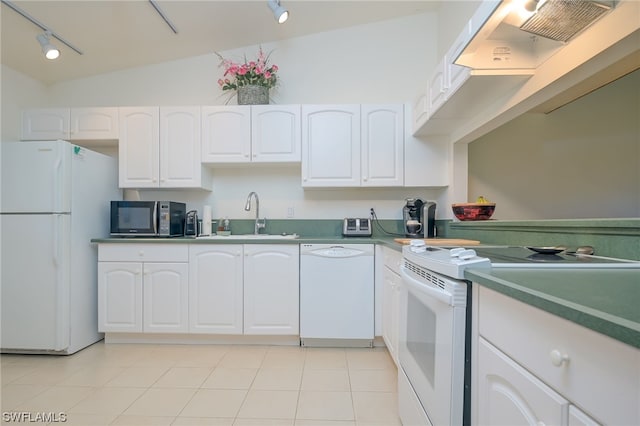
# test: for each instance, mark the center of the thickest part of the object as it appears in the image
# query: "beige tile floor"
(117, 384)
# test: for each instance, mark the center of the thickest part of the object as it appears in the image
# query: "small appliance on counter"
(419, 218)
(147, 218)
(191, 224)
(356, 227)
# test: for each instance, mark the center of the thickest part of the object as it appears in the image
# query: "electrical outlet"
(290, 212)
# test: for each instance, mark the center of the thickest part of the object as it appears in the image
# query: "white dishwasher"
(336, 294)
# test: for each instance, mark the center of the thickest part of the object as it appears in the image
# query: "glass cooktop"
(510, 256)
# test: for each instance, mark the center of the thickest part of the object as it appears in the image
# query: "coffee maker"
(419, 218)
(411, 213)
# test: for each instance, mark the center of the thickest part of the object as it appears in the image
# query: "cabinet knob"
(141, 253)
(364, 178)
(558, 358)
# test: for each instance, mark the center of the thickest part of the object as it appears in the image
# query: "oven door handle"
(417, 286)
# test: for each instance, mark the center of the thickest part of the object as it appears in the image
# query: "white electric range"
(435, 312)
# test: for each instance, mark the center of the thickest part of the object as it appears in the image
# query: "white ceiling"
(116, 35)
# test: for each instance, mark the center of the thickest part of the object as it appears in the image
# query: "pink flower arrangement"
(258, 73)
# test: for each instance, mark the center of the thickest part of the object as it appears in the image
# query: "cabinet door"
(165, 298)
(120, 297)
(420, 111)
(390, 311)
(578, 417)
(215, 289)
(457, 74)
(275, 133)
(226, 134)
(382, 145)
(94, 123)
(180, 163)
(138, 148)
(330, 145)
(438, 87)
(45, 124)
(271, 289)
(509, 395)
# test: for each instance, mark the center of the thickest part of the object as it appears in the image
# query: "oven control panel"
(449, 262)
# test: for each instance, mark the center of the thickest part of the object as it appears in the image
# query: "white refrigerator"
(55, 199)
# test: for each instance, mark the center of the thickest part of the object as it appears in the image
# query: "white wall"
(18, 92)
(580, 161)
(381, 62)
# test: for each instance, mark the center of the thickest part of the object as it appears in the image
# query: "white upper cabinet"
(139, 147)
(256, 133)
(457, 94)
(382, 149)
(160, 148)
(275, 133)
(352, 145)
(437, 88)
(180, 165)
(330, 145)
(85, 124)
(226, 134)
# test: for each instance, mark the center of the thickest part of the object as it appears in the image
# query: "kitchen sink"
(250, 237)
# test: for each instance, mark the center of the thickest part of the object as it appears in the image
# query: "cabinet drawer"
(143, 252)
(392, 259)
(601, 375)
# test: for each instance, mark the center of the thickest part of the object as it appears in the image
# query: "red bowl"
(473, 211)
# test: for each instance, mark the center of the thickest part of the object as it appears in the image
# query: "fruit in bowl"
(482, 209)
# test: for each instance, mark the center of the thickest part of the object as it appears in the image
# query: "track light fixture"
(49, 50)
(280, 13)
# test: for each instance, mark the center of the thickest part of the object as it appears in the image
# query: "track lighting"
(280, 13)
(49, 50)
(531, 5)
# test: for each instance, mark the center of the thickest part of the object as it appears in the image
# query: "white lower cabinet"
(120, 297)
(244, 289)
(271, 289)
(142, 288)
(510, 395)
(165, 298)
(533, 367)
(391, 283)
(215, 289)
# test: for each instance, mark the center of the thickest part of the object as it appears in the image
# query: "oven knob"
(467, 254)
(557, 358)
(454, 252)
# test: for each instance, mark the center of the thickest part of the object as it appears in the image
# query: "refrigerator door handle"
(57, 179)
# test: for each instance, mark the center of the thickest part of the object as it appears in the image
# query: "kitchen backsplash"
(618, 238)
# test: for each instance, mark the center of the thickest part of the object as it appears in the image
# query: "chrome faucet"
(260, 223)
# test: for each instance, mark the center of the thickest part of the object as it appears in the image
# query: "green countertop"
(604, 300)
(387, 241)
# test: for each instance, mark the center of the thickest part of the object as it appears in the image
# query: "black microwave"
(147, 218)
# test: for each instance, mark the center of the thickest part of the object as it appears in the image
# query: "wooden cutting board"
(440, 241)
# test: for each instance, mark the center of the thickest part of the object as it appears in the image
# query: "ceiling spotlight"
(530, 5)
(49, 50)
(280, 13)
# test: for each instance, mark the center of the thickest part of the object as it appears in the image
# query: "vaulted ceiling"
(116, 35)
